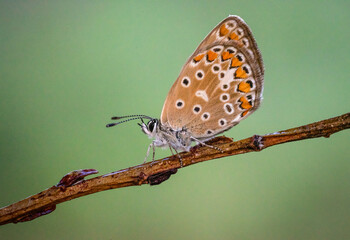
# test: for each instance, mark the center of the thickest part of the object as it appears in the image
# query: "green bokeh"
(67, 66)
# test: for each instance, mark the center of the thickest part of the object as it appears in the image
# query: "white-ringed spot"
(199, 74)
(231, 24)
(228, 107)
(240, 57)
(197, 108)
(179, 104)
(215, 68)
(205, 116)
(222, 122)
(225, 86)
(185, 82)
(202, 94)
(209, 132)
(224, 97)
(231, 50)
(245, 42)
(217, 49)
(239, 32)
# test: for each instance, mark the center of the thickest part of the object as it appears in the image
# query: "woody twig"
(73, 185)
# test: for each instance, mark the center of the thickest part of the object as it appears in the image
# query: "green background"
(66, 67)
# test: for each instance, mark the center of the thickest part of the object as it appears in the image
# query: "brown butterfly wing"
(220, 84)
(233, 28)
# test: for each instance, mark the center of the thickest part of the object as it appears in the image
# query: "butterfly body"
(165, 136)
(220, 85)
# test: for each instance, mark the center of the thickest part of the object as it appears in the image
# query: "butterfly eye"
(151, 124)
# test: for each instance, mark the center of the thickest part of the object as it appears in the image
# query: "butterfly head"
(151, 128)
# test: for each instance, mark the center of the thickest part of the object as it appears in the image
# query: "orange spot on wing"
(226, 55)
(198, 57)
(211, 56)
(240, 73)
(235, 62)
(223, 30)
(244, 113)
(244, 87)
(233, 36)
(244, 103)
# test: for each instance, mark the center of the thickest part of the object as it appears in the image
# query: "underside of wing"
(220, 84)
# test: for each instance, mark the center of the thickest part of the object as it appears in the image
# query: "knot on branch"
(158, 178)
(257, 143)
(74, 177)
(35, 214)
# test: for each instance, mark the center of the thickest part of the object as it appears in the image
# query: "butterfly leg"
(154, 152)
(147, 154)
(178, 155)
(207, 145)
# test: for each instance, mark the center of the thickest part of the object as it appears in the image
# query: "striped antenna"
(134, 117)
(129, 116)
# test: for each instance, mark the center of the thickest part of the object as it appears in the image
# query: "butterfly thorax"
(165, 136)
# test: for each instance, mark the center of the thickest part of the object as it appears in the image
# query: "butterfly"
(220, 85)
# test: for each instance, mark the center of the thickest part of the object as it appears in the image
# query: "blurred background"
(66, 67)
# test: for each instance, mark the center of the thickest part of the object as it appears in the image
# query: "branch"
(73, 184)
